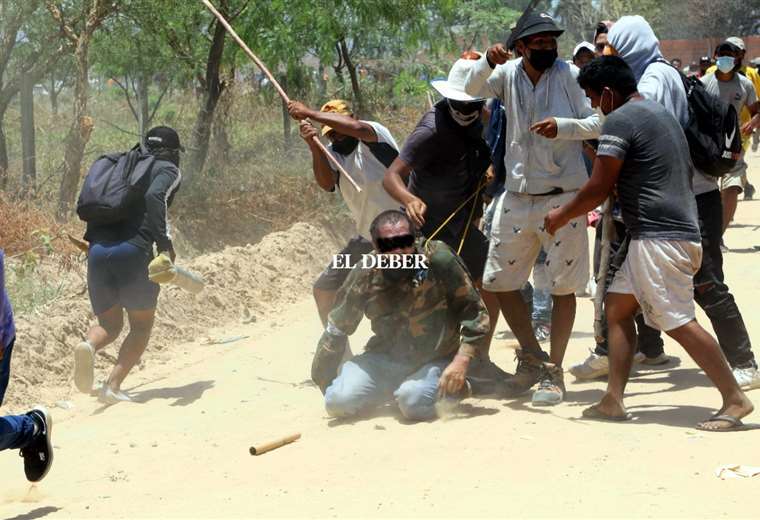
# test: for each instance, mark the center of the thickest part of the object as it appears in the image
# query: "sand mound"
(256, 280)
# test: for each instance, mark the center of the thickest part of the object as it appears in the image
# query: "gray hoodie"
(635, 42)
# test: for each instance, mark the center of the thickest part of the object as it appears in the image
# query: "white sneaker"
(661, 359)
(594, 366)
(748, 378)
(84, 367)
(108, 396)
(639, 357)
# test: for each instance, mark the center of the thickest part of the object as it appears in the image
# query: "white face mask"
(464, 119)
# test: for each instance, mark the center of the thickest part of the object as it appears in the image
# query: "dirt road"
(182, 451)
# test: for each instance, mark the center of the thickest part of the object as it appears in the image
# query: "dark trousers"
(710, 291)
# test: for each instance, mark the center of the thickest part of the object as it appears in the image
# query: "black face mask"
(541, 59)
(345, 146)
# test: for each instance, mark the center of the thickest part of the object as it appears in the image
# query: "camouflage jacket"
(438, 317)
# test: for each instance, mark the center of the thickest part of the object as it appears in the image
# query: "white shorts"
(660, 275)
(733, 179)
(517, 234)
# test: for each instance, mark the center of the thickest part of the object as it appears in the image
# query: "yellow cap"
(336, 106)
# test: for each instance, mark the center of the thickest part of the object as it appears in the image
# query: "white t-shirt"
(368, 172)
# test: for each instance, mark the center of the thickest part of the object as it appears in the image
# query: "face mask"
(542, 59)
(725, 64)
(464, 118)
(345, 146)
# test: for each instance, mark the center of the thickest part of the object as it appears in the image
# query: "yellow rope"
(453, 214)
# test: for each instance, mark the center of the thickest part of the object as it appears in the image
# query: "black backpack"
(715, 141)
(114, 186)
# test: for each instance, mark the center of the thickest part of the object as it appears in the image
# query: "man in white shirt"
(364, 149)
(547, 118)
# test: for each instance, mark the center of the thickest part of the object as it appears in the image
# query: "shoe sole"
(546, 402)
(84, 368)
(653, 363)
(48, 439)
(593, 375)
(751, 386)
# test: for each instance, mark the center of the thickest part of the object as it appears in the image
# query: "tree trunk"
(213, 90)
(79, 133)
(3, 154)
(321, 82)
(143, 111)
(358, 102)
(53, 93)
(28, 152)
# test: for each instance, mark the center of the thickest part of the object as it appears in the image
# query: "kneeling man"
(429, 322)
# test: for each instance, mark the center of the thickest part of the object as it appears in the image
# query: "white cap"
(584, 45)
(738, 42)
(453, 87)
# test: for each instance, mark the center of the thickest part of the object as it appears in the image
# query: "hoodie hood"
(634, 40)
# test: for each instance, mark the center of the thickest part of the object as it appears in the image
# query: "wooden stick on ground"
(260, 449)
(276, 85)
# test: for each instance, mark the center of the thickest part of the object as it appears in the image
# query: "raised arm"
(342, 124)
(486, 77)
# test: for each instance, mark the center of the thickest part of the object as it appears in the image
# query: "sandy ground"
(182, 450)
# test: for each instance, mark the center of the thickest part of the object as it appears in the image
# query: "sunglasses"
(466, 107)
(398, 242)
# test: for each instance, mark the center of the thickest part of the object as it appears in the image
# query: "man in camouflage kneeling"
(429, 323)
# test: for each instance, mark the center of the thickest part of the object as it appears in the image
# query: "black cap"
(705, 59)
(533, 23)
(163, 137)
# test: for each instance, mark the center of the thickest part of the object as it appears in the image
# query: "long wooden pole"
(276, 85)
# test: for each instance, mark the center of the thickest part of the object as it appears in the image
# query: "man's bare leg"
(515, 311)
(140, 326)
(108, 328)
(706, 353)
(730, 198)
(563, 317)
(491, 301)
(621, 312)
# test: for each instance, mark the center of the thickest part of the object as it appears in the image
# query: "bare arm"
(342, 124)
(592, 194)
(394, 183)
(323, 173)
(754, 123)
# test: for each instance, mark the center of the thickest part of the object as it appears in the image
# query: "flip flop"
(735, 424)
(594, 414)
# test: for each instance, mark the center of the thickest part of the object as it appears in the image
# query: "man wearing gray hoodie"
(632, 39)
(547, 118)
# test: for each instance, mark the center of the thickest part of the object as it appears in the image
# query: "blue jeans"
(16, 431)
(370, 380)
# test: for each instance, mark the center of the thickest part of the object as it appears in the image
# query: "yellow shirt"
(754, 76)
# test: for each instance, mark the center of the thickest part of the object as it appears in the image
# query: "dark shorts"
(331, 279)
(117, 275)
(5, 369)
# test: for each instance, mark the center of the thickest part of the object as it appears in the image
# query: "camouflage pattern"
(442, 315)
